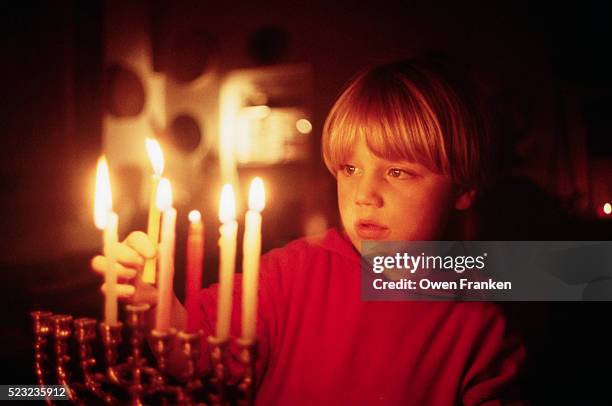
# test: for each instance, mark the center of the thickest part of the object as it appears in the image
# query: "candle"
(195, 254)
(166, 256)
(227, 261)
(107, 221)
(251, 249)
(157, 161)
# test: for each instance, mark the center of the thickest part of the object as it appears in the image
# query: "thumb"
(144, 293)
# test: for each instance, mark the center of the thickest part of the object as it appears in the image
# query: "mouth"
(370, 230)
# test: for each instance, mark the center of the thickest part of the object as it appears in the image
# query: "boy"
(406, 151)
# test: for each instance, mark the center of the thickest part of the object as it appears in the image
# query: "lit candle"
(227, 261)
(107, 221)
(195, 254)
(166, 256)
(251, 250)
(157, 161)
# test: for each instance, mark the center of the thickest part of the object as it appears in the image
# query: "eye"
(400, 173)
(348, 170)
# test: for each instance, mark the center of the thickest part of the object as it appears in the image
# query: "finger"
(99, 264)
(141, 243)
(123, 291)
(144, 295)
(128, 256)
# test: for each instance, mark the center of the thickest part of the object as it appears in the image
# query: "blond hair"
(409, 110)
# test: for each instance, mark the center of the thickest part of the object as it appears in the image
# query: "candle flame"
(194, 216)
(164, 195)
(155, 155)
(257, 195)
(227, 206)
(607, 208)
(103, 201)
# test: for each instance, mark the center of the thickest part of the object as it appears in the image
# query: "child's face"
(385, 200)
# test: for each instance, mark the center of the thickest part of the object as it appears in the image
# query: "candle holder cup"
(128, 373)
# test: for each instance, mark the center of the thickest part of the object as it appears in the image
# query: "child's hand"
(131, 255)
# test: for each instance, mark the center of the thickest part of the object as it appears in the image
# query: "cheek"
(344, 196)
(345, 190)
(421, 213)
(432, 200)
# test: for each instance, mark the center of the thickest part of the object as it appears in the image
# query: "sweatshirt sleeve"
(492, 379)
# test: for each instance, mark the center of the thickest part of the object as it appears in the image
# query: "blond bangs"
(396, 125)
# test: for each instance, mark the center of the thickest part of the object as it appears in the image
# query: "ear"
(465, 198)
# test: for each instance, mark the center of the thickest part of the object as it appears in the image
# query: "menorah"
(125, 376)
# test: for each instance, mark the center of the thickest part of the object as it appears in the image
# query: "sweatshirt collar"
(337, 241)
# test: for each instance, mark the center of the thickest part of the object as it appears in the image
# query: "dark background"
(542, 70)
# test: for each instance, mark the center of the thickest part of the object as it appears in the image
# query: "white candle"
(110, 276)
(227, 261)
(166, 256)
(251, 249)
(107, 221)
(157, 162)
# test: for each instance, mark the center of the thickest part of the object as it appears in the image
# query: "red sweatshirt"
(320, 344)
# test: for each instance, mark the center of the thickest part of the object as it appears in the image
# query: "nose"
(368, 192)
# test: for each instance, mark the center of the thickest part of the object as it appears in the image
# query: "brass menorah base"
(125, 376)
